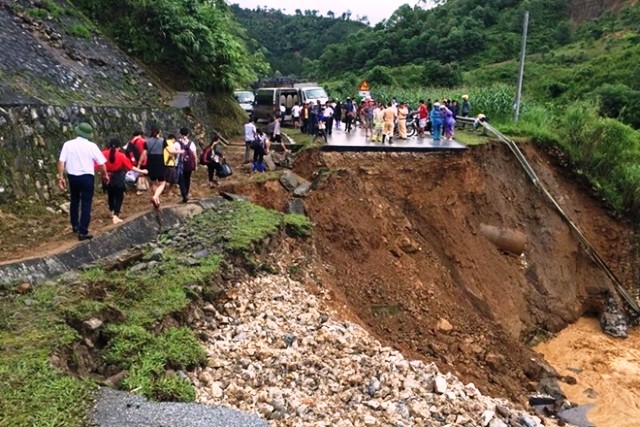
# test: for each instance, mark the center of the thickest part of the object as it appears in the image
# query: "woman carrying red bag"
(117, 166)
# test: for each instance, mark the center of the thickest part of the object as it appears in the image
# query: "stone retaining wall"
(31, 137)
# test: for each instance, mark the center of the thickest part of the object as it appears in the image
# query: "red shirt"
(121, 162)
(139, 142)
(422, 111)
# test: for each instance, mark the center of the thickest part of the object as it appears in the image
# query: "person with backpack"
(171, 153)
(260, 146)
(187, 163)
(350, 115)
(134, 150)
(118, 163)
(213, 159)
(321, 127)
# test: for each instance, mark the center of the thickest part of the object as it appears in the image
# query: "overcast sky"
(375, 10)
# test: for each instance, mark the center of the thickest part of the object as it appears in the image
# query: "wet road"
(339, 140)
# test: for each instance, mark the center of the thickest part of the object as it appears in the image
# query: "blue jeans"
(81, 188)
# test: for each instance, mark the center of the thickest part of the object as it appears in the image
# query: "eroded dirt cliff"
(398, 243)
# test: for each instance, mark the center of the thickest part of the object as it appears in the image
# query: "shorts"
(422, 123)
(369, 123)
(156, 167)
(170, 175)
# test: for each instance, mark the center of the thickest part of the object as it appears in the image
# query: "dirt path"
(30, 231)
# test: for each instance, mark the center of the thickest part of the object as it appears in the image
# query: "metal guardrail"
(593, 254)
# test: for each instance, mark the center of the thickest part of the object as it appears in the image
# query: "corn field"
(495, 101)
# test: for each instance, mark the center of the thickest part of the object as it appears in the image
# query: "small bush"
(79, 30)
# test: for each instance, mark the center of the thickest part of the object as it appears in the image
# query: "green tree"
(436, 74)
(197, 41)
(381, 76)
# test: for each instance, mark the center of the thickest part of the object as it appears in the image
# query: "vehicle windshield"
(244, 97)
(315, 93)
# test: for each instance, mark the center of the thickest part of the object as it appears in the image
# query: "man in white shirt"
(79, 157)
(295, 112)
(328, 114)
(250, 135)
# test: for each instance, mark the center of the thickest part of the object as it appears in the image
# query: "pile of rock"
(276, 351)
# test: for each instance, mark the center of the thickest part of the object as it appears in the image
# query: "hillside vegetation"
(581, 88)
(195, 44)
(291, 42)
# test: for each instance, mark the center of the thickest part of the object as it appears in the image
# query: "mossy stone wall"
(31, 137)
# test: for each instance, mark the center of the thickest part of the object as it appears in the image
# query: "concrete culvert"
(505, 239)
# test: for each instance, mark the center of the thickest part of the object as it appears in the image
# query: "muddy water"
(607, 371)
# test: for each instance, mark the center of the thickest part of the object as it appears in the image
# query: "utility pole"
(523, 49)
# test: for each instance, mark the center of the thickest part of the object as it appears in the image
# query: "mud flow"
(605, 369)
(401, 241)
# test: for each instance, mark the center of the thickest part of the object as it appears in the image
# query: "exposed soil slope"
(398, 238)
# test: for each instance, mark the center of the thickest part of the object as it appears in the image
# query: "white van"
(269, 99)
(245, 98)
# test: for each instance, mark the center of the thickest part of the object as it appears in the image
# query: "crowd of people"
(155, 163)
(161, 163)
(380, 120)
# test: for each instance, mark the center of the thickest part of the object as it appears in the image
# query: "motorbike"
(412, 126)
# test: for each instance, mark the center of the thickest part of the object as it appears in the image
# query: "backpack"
(256, 144)
(205, 157)
(188, 158)
(224, 170)
(132, 153)
(169, 159)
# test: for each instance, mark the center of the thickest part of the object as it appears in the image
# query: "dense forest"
(463, 43)
(193, 44)
(292, 42)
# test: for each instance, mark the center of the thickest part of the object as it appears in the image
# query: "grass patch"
(79, 30)
(147, 356)
(37, 325)
(237, 226)
(471, 137)
(249, 224)
(46, 10)
(298, 137)
(259, 178)
(298, 225)
(32, 391)
(132, 306)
